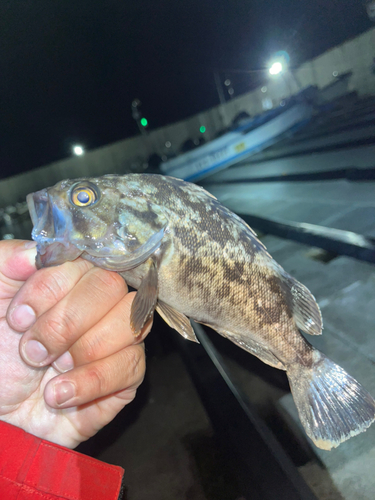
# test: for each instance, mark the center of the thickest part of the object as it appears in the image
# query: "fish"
(190, 257)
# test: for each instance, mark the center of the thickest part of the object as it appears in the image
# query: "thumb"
(17, 259)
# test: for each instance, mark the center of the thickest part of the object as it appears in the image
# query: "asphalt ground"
(344, 288)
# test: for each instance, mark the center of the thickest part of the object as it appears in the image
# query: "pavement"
(343, 287)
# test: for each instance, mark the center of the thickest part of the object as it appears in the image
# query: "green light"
(202, 130)
(144, 122)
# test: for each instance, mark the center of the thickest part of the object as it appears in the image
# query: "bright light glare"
(276, 68)
(78, 150)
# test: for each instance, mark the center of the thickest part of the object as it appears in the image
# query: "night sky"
(70, 69)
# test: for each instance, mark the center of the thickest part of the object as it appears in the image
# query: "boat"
(248, 138)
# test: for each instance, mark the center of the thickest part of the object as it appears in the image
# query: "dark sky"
(70, 68)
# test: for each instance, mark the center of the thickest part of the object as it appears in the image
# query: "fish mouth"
(50, 231)
(31, 207)
(55, 253)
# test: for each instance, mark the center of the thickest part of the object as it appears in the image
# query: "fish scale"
(190, 257)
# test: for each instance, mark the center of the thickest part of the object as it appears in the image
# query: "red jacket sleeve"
(32, 468)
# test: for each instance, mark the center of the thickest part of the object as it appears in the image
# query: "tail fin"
(331, 404)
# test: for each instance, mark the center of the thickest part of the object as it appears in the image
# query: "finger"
(17, 259)
(84, 306)
(110, 335)
(123, 370)
(42, 291)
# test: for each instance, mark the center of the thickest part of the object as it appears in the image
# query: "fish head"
(102, 220)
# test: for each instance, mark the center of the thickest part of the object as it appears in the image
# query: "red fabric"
(31, 468)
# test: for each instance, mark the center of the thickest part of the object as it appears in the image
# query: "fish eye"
(84, 196)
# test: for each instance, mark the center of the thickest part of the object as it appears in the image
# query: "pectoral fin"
(143, 305)
(176, 320)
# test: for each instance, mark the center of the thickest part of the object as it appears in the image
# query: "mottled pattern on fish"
(217, 265)
(189, 256)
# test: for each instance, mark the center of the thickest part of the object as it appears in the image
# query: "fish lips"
(37, 204)
(50, 232)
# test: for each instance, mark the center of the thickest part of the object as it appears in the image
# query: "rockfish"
(190, 257)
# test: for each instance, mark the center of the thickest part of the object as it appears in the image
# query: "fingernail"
(30, 251)
(30, 244)
(34, 351)
(63, 391)
(23, 316)
(64, 363)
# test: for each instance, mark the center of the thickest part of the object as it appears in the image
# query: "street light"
(276, 68)
(279, 63)
(78, 150)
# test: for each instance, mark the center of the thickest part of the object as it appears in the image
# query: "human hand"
(77, 343)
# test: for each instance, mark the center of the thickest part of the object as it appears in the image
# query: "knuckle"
(98, 380)
(60, 328)
(110, 280)
(52, 283)
(135, 362)
(127, 395)
(90, 347)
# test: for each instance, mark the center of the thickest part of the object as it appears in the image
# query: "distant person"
(68, 364)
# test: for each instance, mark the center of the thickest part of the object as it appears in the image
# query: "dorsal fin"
(305, 310)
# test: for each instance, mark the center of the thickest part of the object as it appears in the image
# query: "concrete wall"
(108, 159)
(354, 55)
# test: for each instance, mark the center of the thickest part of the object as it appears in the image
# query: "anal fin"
(143, 305)
(176, 320)
(255, 348)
